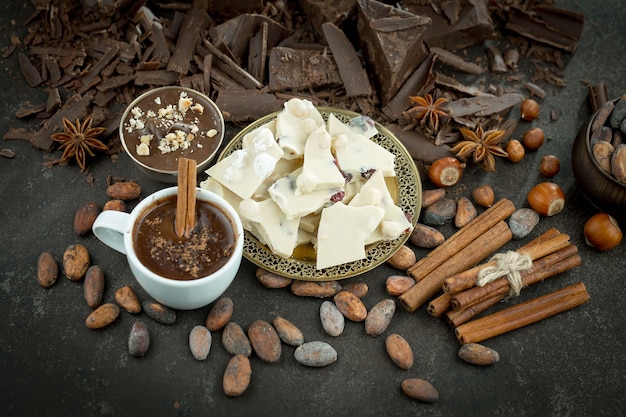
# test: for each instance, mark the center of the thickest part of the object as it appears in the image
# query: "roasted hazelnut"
(533, 139)
(446, 171)
(602, 232)
(546, 198)
(529, 109)
(515, 149)
(549, 166)
(483, 195)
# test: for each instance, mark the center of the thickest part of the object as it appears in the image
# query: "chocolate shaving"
(196, 21)
(247, 105)
(294, 69)
(484, 105)
(455, 61)
(31, 74)
(354, 77)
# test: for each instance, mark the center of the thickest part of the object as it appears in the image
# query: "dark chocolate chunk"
(301, 69)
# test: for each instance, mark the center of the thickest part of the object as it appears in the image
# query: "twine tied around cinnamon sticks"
(508, 264)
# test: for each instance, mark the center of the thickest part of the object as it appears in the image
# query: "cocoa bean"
(220, 313)
(477, 354)
(522, 222)
(84, 217)
(271, 280)
(350, 306)
(359, 289)
(379, 317)
(333, 322)
(420, 390)
(603, 134)
(403, 259)
(102, 316)
(399, 351)
(397, 285)
(618, 163)
(115, 204)
(439, 213)
(127, 299)
(618, 114)
(288, 332)
(76, 261)
(93, 287)
(265, 341)
(235, 340)
(465, 212)
(315, 289)
(424, 236)
(430, 197)
(602, 115)
(200, 339)
(159, 312)
(237, 376)
(138, 339)
(602, 152)
(124, 190)
(315, 354)
(47, 269)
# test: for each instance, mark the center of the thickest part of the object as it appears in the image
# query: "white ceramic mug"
(115, 229)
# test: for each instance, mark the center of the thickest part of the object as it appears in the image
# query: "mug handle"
(109, 227)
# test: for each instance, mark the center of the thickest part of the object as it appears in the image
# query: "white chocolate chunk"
(283, 192)
(342, 232)
(356, 153)
(319, 170)
(244, 170)
(278, 232)
(216, 188)
(375, 193)
(294, 125)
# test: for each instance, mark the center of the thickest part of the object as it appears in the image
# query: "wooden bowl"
(602, 189)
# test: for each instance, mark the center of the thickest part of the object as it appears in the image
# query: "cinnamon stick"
(523, 314)
(549, 242)
(478, 249)
(463, 237)
(439, 305)
(457, 317)
(186, 197)
(543, 268)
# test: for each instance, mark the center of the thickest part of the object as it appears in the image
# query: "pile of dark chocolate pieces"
(250, 56)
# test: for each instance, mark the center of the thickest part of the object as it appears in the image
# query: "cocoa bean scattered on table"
(76, 261)
(271, 280)
(350, 306)
(115, 204)
(93, 287)
(333, 322)
(315, 354)
(360, 289)
(124, 190)
(138, 339)
(85, 217)
(102, 316)
(323, 289)
(265, 341)
(420, 389)
(235, 340)
(237, 376)
(397, 285)
(47, 269)
(200, 339)
(424, 236)
(403, 259)
(220, 313)
(379, 317)
(158, 312)
(288, 332)
(126, 298)
(478, 354)
(399, 351)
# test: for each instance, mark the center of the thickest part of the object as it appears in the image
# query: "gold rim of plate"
(408, 196)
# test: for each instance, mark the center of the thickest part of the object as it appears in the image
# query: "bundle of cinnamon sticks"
(452, 270)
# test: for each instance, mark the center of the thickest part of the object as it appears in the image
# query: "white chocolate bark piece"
(319, 170)
(278, 232)
(294, 124)
(375, 193)
(215, 187)
(244, 170)
(357, 154)
(363, 125)
(342, 232)
(283, 168)
(310, 222)
(293, 205)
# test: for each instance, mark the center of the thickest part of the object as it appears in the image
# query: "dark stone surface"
(51, 364)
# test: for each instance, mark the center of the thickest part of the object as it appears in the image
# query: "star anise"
(482, 146)
(79, 140)
(429, 111)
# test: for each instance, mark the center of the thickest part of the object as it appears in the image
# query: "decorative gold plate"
(407, 192)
